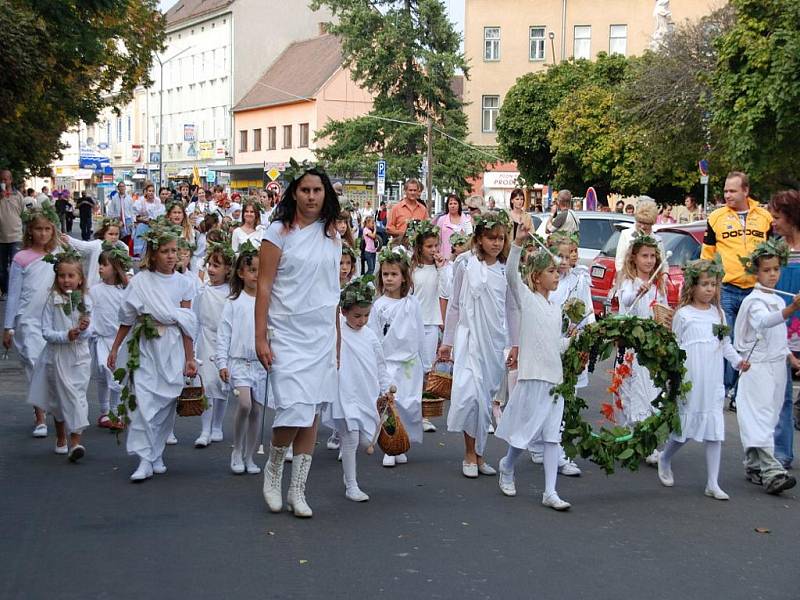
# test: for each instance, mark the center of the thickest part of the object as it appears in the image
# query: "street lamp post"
(161, 64)
(552, 37)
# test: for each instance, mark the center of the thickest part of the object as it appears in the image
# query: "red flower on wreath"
(618, 375)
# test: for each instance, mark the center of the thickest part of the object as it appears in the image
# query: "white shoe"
(469, 470)
(506, 480)
(486, 469)
(389, 461)
(289, 456)
(554, 502)
(717, 494)
(237, 465)
(172, 440)
(652, 460)
(401, 459)
(333, 442)
(296, 495)
(203, 441)
(427, 426)
(569, 469)
(40, 430)
(273, 474)
(61, 449)
(356, 495)
(665, 475)
(143, 471)
(251, 467)
(76, 453)
(216, 435)
(490, 429)
(537, 457)
(159, 468)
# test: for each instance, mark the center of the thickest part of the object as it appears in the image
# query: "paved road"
(83, 531)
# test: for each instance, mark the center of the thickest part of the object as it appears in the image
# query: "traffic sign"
(703, 179)
(275, 187)
(381, 177)
(273, 174)
(703, 166)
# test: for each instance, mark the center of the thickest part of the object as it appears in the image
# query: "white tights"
(713, 459)
(349, 446)
(211, 419)
(108, 398)
(552, 452)
(248, 413)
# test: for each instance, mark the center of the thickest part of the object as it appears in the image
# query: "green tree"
(64, 62)
(406, 53)
(526, 117)
(756, 90)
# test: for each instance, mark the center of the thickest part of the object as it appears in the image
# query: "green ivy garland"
(656, 349)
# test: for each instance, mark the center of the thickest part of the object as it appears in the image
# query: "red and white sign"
(275, 187)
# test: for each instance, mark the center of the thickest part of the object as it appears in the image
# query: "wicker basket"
(663, 314)
(391, 443)
(192, 401)
(439, 383)
(432, 407)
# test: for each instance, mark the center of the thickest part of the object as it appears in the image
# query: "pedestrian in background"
(85, 213)
(11, 206)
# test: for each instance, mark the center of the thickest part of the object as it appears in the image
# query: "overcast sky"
(454, 7)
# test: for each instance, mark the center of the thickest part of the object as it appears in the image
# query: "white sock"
(240, 418)
(349, 445)
(671, 447)
(205, 422)
(220, 404)
(253, 430)
(114, 398)
(552, 452)
(102, 395)
(713, 458)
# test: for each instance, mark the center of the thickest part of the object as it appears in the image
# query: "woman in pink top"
(666, 215)
(452, 222)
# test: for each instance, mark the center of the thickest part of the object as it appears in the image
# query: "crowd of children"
(494, 308)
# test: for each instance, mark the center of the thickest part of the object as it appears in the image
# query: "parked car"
(595, 230)
(684, 241)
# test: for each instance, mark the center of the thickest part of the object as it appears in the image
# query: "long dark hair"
(286, 210)
(236, 282)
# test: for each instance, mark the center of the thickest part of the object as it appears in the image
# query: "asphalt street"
(83, 531)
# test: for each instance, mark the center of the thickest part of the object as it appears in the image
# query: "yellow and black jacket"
(726, 235)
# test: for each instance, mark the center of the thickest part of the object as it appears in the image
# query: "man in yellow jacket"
(735, 230)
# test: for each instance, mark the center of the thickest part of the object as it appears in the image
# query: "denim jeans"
(784, 432)
(7, 252)
(369, 257)
(731, 298)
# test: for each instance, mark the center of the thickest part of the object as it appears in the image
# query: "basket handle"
(187, 380)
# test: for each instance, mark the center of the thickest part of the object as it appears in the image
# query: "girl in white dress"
(478, 324)
(29, 285)
(429, 271)
(61, 375)
(699, 326)
(532, 414)
(636, 297)
(159, 298)
(107, 296)
(208, 224)
(208, 305)
(106, 236)
(296, 302)
(396, 319)
(362, 379)
(250, 229)
(237, 361)
(176, 214)
(761, 331)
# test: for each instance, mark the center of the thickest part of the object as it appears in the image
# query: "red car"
(685, 242)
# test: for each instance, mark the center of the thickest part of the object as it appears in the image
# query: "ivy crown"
(296, 170)
(492, 218)
(248, 249)
(774, 248)
(46, 210)
(117, 253)
(348, 250)
(417, 228)
(67, 254)
(536, 262)
(390, 253)
(694, 268)
(161, 232)
(224, 248)
(640, 239)
(562, 237)
(459, 239)
(358, 292)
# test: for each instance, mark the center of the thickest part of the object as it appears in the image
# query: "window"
(490, 106)
(491, 43)
(256, 140)
(618, 39)
(129, 128)
(119, 129)
(272, 138)
(582, 47)
(287, 136)
(242, 140)
(303, 135)
(537, 43)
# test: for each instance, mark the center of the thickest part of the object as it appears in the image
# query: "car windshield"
(595, 233)
(682, 245)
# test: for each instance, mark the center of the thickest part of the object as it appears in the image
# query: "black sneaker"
(754, 477)
(781, 482)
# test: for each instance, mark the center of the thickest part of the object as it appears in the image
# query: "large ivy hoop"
(656, 349)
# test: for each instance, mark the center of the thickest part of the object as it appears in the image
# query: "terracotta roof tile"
(187, 9)
(301, 70)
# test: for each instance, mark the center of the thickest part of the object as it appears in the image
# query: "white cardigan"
(540, 341)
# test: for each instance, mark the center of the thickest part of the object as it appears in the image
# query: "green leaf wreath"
(657, 349)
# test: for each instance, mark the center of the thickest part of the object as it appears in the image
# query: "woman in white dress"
(251, 228)
(698, 326)
(298, 292)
